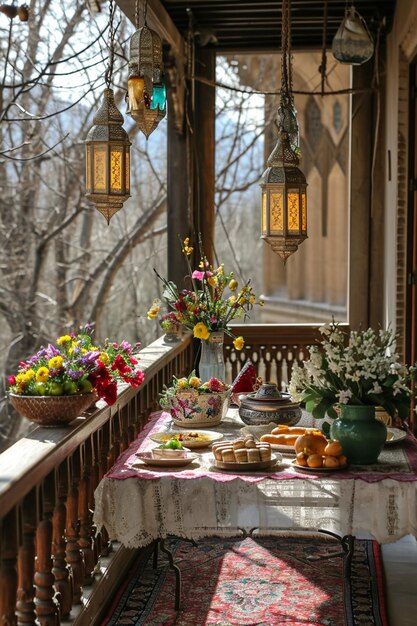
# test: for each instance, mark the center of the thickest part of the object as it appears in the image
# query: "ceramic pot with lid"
(268, 404)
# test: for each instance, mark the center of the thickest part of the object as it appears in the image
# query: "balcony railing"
(49, 548)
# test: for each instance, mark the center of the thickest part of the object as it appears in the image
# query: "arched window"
(313, 122)
(337, 116)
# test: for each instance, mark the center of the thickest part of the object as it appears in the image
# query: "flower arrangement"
(213, 300)
(169, 322)
(75, 366)
(356, 368)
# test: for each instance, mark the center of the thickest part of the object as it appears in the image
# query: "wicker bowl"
(190, 408)
(52, 410)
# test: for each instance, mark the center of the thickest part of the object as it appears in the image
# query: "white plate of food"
(149, 459)
(189, 438)
(394, 435)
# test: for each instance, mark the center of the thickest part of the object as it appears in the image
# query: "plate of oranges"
(314, 453)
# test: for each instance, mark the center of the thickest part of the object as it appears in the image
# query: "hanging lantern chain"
(109, 70)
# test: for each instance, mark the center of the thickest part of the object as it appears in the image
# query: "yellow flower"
(187, 249)
(42, 375)
(200, 331)
(252, 299)
(212, 280)
(182, 383)
(238, 343)
(21, 377)
(104, 358)
(241, 300)
(231, 300)
(233, 285)
(29, 374)
(55, 363)
(152, 314)
(261, 302)
(63, 339)
(195, 382)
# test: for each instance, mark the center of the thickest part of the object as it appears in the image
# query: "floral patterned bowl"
(188, 407)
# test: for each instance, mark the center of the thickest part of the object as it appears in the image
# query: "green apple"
(84, 386)
(70, 387)
(39, 389)
(56, 389)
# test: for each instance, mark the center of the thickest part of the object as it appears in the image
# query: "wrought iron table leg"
(177, 573)
(347, 543)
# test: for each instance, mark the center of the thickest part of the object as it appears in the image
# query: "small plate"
(206, 437)
(318, 469)
(245, 467)
(394, 435)
(149, 459)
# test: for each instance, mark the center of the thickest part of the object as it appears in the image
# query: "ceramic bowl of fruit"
(172, 449)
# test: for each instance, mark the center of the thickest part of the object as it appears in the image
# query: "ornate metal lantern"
(284, 187)
(107, 148)
(108, 159)
(284, 200)
(146, 91)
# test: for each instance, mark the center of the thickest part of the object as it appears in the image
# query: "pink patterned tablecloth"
(398, 461)
(138, 503)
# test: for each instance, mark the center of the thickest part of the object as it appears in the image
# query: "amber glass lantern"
(146, 92)
(284, 200)
(108, 159)
(284, 187)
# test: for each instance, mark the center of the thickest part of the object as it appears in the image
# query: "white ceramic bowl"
(189, 408)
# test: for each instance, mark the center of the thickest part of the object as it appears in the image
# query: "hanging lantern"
(146, 91)
(108, 159)
(284, 186)
(284, 200)
(353, 43)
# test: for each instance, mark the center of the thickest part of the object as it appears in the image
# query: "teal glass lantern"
(159, 96)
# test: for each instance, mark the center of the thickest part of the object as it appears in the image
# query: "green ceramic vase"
(361, 435)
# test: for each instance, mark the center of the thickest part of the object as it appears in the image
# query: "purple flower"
(51, 351)
(89, 358)
(125, 345)
(75, 375)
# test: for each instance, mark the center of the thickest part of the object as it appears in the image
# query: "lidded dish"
(268, 404)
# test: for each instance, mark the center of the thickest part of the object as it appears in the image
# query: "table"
(138, 506)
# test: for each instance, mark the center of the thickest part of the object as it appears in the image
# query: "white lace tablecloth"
(138, 505)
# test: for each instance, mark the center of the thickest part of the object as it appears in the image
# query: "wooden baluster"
(74, 555)
(85, 542)
(47, 607)
(61, 571)
(25, 605)
(94, 480)
(8, 573)
(106, 461)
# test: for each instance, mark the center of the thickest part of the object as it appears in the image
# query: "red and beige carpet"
(255, 581)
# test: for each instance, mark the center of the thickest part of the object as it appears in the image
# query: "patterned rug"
(254, 582)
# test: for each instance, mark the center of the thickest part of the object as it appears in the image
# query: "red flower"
(109, 394)
(12, 380)
(214, 384)
(120, 364)
(134, 380)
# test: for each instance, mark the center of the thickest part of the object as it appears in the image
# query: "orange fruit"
(330, 461)
(311, 443)
(301, 459)
(342, 460)
(333, 448)
(315, 460)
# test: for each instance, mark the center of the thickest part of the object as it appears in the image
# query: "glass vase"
(361, 435)
(211, 364)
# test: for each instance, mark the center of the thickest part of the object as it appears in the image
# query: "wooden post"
(178, 182)
(360, 199)
(203, 149)
(74, 555)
